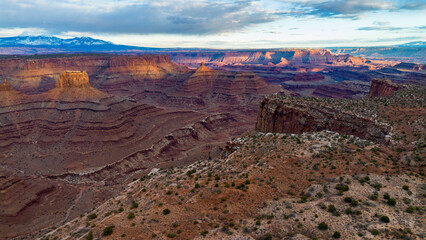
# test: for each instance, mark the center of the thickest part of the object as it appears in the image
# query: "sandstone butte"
(70, 79)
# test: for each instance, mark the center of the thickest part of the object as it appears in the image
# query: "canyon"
(293, 181)
(75, 145)
(78, 130)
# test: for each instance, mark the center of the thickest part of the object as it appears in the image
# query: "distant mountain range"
(25, 41)
(28, 45)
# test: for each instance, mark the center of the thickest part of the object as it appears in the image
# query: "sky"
(221, 23)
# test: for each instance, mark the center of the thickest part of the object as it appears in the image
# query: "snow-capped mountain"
(50, 41)
(26, 45)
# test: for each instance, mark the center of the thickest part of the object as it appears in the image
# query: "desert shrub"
(331, 208)
(391, 202)
(375, 232)
(384, 219)
(374, 196)
(386, 196)
(204, 233)
(92, 216)
(171, 235)
(89, 236)
(134, 205)
(166, 211)
(108, 230)
(410, 209)
(131, 215)
(336, 234)
(322, 226)
(342, 187)
(267, 236)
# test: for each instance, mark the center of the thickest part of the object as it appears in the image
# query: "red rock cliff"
(382, 88)
(297, 115)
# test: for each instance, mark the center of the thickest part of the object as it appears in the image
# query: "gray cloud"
(413, 4)
(351, 9)
(125, 16)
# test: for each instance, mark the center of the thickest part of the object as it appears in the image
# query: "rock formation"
(106, 72)
(5, 86)
(296, 115)
(90, 137)
(382, 88)
(71, 79)
(280, 57)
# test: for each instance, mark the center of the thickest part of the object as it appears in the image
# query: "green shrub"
(331, 208)
(89, 236)
(131, 215)
(391, 202)
(204, 233)
(92, 216)
(322, 226)
(267, 236)
(108, 230)
(375, 232)
(134, 205)
(166, 211)
(336, 234)
(342, 187)
(405, 187)
(410, 209)
(384, 219)
(386, 196)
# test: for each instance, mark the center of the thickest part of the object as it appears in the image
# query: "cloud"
(379, 28)
(134, 17)
(351, 9)
(384, 26)
(413, 5)
(344, 8)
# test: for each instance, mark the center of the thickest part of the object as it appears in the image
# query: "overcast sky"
(221, 23)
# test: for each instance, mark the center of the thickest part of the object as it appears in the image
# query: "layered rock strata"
(382, 88)
(295, 115)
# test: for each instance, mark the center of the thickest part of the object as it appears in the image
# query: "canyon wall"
(33, 75)
(382, 88)
(275, 57)
(296, 115)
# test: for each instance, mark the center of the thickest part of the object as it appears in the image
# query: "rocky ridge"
(382, 88)
(288, 114)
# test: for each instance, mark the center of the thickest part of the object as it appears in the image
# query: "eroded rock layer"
(296, 115)
(278, 57)
(78, 144)
(382, 88)
(34, 75)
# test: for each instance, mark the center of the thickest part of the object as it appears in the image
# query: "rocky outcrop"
(5, 86)
(382, 88)
(295, 115)
(69, 79)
